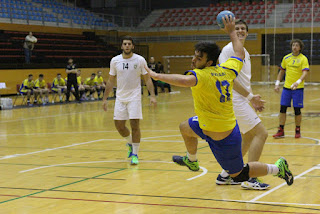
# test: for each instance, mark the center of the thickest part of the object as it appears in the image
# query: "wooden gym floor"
(70, 159)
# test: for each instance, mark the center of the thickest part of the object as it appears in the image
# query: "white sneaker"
(255, 184)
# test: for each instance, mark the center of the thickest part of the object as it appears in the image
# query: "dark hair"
(30, 75)
(127, 38)
(240, 21)
(211, 49)
(93, 74)
(58, 74)
(299, 42)
(40, 75)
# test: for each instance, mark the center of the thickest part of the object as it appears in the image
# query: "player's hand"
(152, 74)
(153, 101)
(294, 86)
(105, 105)
(257, 103)
(276, 89)
(229, 24)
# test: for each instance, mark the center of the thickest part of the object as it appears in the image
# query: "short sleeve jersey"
(294, 65)
(212, 95)
(128, 72)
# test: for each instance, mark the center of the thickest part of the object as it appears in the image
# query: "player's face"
(92, 77)
(59, 77)
(99, 74)
(241, 31)
(296, 47)
(30, 78)
(70, 61)
(127, 47)
(78, 73)
(193, 62)
(40, 78)
(200, 60)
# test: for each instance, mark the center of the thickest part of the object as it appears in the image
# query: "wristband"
(277, 82)
(299, 81)
(250, 96)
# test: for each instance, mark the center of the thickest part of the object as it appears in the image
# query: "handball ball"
(223, 14)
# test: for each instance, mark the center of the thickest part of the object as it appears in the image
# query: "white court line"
(112, 161)
(310, 138)
(315, 100)
(283, 184)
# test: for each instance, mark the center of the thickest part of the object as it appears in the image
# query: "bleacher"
(54, 49)
(48, 11)
(301, 12)
(253, 13)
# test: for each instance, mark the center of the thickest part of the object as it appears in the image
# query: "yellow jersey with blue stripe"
(26, 85)
(90, 82)
(98, 80)
(212, 95)
(79, 80)
(57, 82)
(294, 65)
(40, 84)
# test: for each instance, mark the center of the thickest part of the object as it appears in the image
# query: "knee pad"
(297, 111)
(243, 176)
(283, 109)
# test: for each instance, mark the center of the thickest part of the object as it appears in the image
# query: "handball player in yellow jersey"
(215, 122)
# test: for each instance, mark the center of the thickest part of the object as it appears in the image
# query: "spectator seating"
(254, 13)
(301, 12)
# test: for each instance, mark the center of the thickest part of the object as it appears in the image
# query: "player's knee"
(297, 111)
(283, 109)
(183, 126)
(243, 176)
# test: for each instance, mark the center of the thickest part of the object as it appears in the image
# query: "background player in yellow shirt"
(41, 88)
(27, 87)
(90, 85)
(99, 84)
(296, 67)
(59, 86)
(215, 121)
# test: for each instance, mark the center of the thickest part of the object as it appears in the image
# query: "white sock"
(60, 97)
(272, 169)
(135, 148)
(192, 157)
(224, 173)
(128, 139)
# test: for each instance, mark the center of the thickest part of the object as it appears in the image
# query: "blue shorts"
(295, 95)
(227, 151)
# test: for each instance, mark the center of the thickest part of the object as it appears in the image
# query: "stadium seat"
(262, 21)
(301, 20)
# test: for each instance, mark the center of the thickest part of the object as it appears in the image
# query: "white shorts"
(127, 110)
(246, 116)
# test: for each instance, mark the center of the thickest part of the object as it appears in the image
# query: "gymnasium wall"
(14, 77)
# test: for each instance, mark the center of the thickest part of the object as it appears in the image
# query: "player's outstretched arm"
(229, 23)
(303, 76)
(279, 78)
(111, 82)
(174, 79)
(150, 87)
(256, 101)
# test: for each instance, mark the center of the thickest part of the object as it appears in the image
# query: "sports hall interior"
(69, 157)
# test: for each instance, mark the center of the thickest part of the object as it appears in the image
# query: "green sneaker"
(184, 161)
(129, 150)
(134, 160)
(284, 171)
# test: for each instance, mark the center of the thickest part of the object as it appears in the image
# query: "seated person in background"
(90, 85)
(100, 84)
(41, 88)
(163, 85)
(59, 86)
(160, 67)
(80, 86)
(26, 88)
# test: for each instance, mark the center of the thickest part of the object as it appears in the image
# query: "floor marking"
(49, 149)
(205, 171)
(283, 184)
(310, 138)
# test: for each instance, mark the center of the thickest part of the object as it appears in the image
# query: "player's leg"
(35, 94)
(285, 102)
(98, 89)
(60, 90)
(297, 98)
(46, 94)
(82, 92)
(69, 84)
(76, 94)
(28, 93)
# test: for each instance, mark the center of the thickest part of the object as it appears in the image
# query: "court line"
(283, 184)
(310, 138)
(205, 171)
(153, 204)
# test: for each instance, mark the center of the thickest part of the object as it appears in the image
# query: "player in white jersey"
(254, 134)
(127, 69)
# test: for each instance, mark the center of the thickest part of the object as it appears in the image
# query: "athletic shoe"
(254, 183)
(129, 150)
(92, 98)
(134, 160)
(284, 171)
(184, 161)
(226, 181)
(297, 135)
(279, 134)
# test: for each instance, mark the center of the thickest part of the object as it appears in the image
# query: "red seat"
(301, 20)
(255, 21)
(181, 24)
(262, 21)
(195, 23)
(285, 20)
(309, 19)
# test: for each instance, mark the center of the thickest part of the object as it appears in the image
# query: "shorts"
(227, 151)
(127, 110)
(55, 90)
(295, 95)
(246, 116)
(25, 91)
